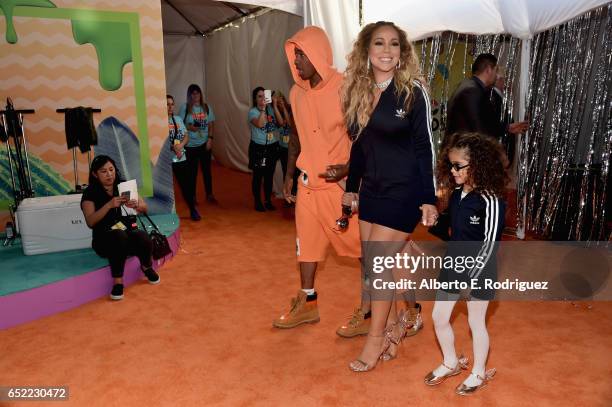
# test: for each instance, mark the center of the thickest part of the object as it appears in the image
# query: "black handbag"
(161, 246)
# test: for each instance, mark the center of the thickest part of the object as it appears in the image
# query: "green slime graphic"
(7, 8)
(113, 47)
(116, 38)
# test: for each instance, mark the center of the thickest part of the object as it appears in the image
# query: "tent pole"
(522, 109)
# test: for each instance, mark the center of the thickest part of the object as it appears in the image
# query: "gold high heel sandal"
(464, 390)
(462, 363)
(394, 333)
(359, 365)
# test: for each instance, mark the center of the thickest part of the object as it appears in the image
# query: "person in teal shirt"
(177, 140)
(199, 119)
(263, 148)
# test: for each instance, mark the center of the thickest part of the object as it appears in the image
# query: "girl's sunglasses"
(458, 167)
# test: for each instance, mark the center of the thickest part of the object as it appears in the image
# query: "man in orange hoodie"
(324, 153)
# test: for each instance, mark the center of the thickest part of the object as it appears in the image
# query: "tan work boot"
(357, 325)
(413, 320)
(301, 312)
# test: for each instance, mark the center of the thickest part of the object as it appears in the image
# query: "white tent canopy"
(520, 18)
(200, 17)
(421, 19)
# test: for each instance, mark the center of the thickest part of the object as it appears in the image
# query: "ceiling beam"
(197, 30)
(233, 20)
(233, 7)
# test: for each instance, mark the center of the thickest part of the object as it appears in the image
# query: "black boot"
(259, 207)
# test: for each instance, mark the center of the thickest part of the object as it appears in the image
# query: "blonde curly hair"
(358, 88)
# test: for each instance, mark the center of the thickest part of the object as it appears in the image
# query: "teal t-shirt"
(176, 133)
(198, 115)
(269, 132)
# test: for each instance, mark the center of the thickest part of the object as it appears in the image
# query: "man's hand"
(335, 173)
(518, 127)
(287, 187)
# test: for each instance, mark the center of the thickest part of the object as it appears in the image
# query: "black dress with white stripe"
(392, 160)
(477, 222)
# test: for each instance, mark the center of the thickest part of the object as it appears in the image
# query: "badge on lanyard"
(286, 139)
(119, 226)
(270, 137)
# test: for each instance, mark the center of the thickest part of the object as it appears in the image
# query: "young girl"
(473, 165)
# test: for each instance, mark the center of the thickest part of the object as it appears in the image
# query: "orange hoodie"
(317, 111)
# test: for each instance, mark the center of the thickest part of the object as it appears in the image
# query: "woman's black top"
(393, 157)
(96, 194)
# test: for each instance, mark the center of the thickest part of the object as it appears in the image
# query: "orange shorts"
(316, 212)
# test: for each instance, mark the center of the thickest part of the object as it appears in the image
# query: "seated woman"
(115, 237)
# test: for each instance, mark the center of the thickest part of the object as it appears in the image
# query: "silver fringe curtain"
(566, 155)
(565, 159)
(439, 58)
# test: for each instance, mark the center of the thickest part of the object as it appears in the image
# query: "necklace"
(384, 84)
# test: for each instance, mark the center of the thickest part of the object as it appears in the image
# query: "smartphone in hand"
(268, 96)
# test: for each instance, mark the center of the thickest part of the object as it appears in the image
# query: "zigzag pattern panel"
(47, 70)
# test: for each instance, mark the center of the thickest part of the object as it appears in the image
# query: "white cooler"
(52, 224)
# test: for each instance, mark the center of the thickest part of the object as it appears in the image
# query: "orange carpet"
(203, 337)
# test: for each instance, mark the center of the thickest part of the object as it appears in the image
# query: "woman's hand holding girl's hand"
(430, 214)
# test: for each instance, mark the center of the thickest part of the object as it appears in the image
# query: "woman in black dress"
(387, 111)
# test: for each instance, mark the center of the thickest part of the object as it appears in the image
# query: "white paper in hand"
(131, 187)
